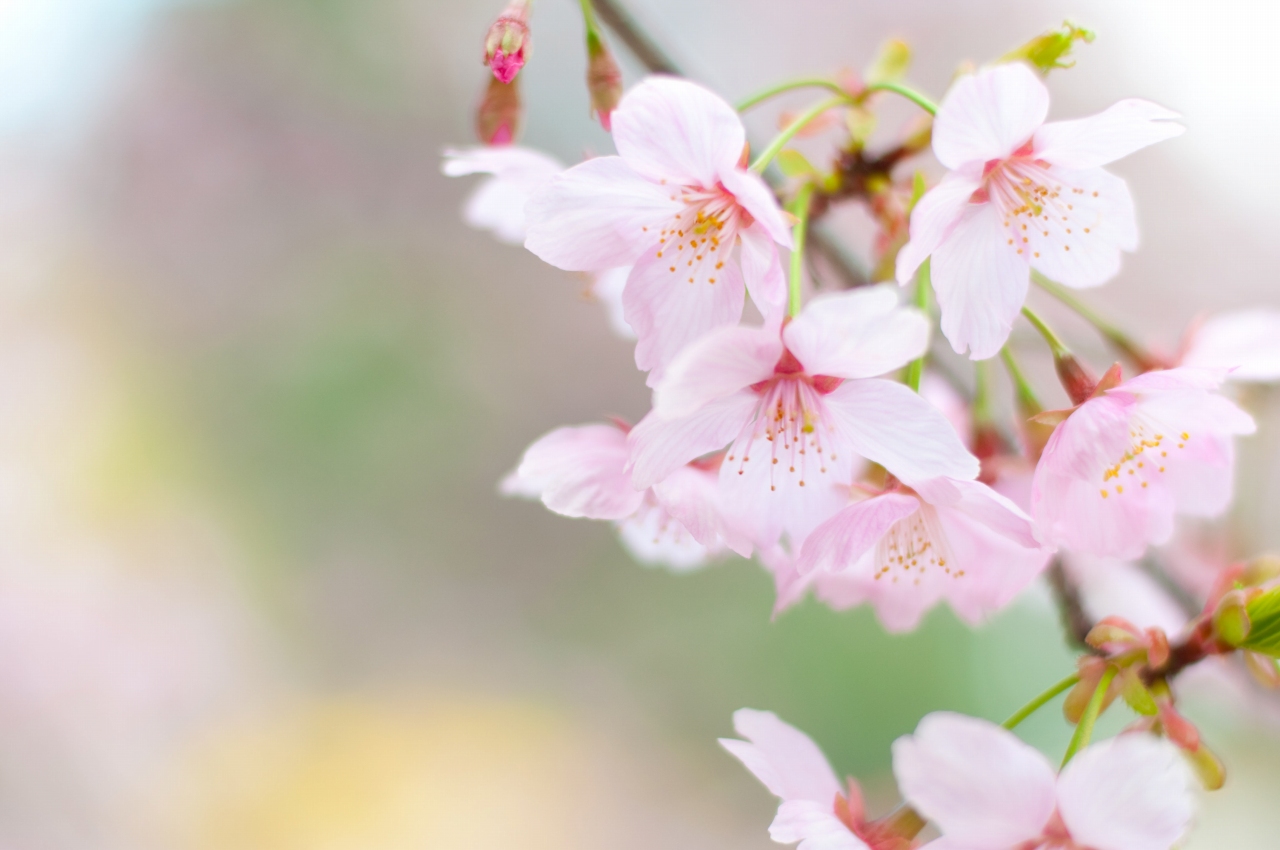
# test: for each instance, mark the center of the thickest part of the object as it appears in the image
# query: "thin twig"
(1070, 605)
(642, 47)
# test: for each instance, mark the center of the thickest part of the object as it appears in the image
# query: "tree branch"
(642, 47)
(1070, 605)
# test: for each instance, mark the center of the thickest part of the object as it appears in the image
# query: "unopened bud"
(604, 80)
(1076, 378)
(1208, 767)
(498, 117)
(1046, 52)
(506, 46)
(1231, 619)
(1263, 611)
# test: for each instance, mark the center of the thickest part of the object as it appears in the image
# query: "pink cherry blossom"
(1022, 195)
(578, 472)
(987, 790)
(792, 767)
(904, 550)
(1247, 343)
(699, 229)
(800, 410)
(1123, 463)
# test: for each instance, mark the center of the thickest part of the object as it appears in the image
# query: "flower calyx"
(507, 44)
(895, 831)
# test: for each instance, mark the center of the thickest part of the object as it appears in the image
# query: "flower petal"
(607, 287)
(661, 446)
(840, 543)
(655, 538)
(1127, 126)
(983, 504)
(598, 215)
(497, 205)
(857, 334)
(989, 114)
(934, 217)
(1077, 239)
(720, 363)
(670, 304)
(758, 200)
(981, 282)
(1129, 793)
(578, 472)
(1246, 342)
(979, 783)
(671, 129)
(510, 161)
(762, 273)
(814, 825)
(782, 757)
(692, 497)
(889, 424)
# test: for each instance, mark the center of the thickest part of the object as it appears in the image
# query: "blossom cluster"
(806, 433)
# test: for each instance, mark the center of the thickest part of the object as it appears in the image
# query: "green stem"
(1026, 395)
(589, 18)
(762, 161)
(1057, 345)
(1039, 702)
(915, 369)
(906, 91)
(1084, 729)
(1114, 334)
(800, 209)
(982, 392)
(792, 85)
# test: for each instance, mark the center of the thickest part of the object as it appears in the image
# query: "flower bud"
(1076, 378)
(1231, 618)
(1046, 52)
(1263, 612)
(604, 80)
(506, 47)
(498, 118)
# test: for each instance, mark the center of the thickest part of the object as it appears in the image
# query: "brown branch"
(1070, 606)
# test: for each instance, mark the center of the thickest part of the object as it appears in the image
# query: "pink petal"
(578, 472)
(1127, 126)
(782, 757)
(857, 334)
(655, 538)
(763, 275)
(934, 217)
(988, 115)
(672, 129)
(692, 497)
(1246, 342)
(607, 287)
(1080, 246)
(982, 504)
(758, 199)
(889, 424)
(660, 446)
(980, 281)
(982, 786)
(671, 309)
(814, 825)
(720, 363)
(1129, 793)
(597, 215)
(1202, 476)
(841, 542)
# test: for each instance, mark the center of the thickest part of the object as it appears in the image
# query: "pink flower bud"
(506, 46)
(498, 117)
(604, 80)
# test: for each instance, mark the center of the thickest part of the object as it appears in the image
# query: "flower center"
(790, 420)
(1145, 459)
(695, 244)
(912, 546)
(1042, 210)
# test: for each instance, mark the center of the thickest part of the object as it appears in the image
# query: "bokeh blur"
(258, 384)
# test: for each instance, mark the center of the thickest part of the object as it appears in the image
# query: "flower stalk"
(803, 120)
(800, 207)
(1084, 729)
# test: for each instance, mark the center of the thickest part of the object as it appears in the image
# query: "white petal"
(655, 538)
(598, 215)
(980, 281)
(498, 207)
(675, 297)
(889, 424)
(762, 273)
(578, 472)
(692, 497)
(672, 129)
(979, 783)
(1119, 131)
(782, 757)
(1078, 237)
(1246, 342)
(721, 362)
(988, 115)
(508, 161)
(1130, 793)
(857, 334)
(660, 446)
(933, 218)
(814, 825)
(607, 287)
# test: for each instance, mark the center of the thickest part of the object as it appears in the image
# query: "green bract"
(1264, 619)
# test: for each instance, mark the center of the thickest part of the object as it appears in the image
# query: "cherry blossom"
(904, 550)
(814, 810)
(987, 790)
(800, 410)
(498, 205)
(1246, 342)
(699, 229)
(1022, 195)
(578, 472)
(1116, 471)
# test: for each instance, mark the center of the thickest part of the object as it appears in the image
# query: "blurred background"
(258, 384)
